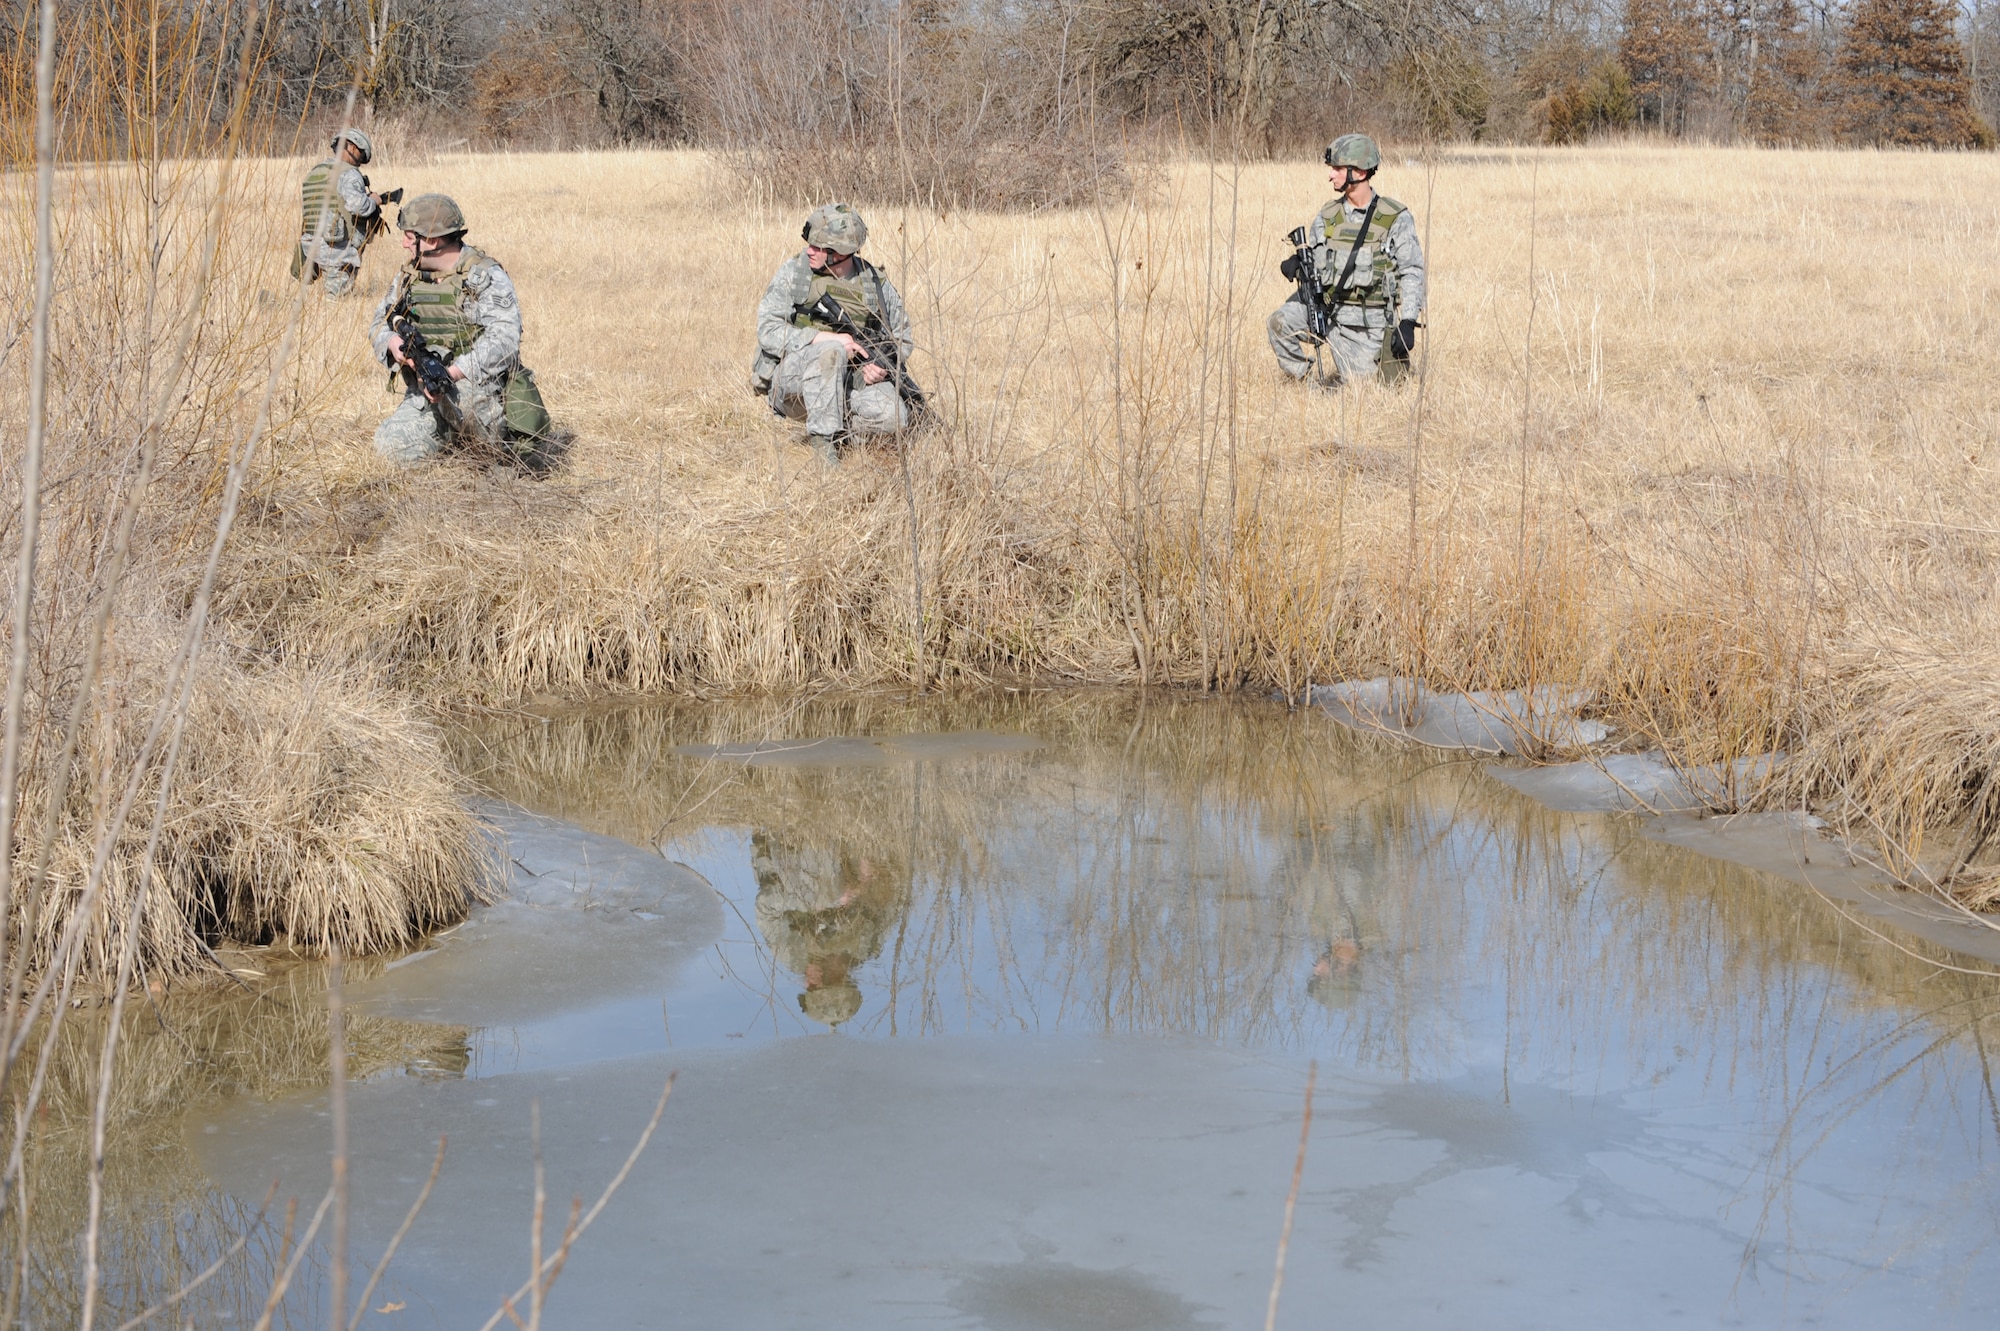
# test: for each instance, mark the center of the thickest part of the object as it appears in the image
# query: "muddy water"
(1000, 1014)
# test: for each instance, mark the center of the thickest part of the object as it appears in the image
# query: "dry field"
(1706, 431)
(1709, 431)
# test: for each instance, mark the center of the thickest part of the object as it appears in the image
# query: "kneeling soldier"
(1370, 273)
(461, 304)
(813, 371)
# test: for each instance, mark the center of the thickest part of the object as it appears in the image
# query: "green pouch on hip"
(1391, 367)
(527, 415)
(298, 260)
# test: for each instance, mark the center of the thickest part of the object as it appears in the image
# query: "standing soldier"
(341, 215)
(1369, 270)
(813, 371)
(462, 303)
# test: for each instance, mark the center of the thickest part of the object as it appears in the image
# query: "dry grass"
(1690, 434)
(309, 807)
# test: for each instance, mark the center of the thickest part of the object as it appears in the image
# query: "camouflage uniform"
(1341, 876)
(337, 216)
(487, 347)
(819, 382)
(810, 381)
(825, 912)
(1387, 286)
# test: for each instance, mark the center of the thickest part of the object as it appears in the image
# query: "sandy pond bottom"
(999, 1014)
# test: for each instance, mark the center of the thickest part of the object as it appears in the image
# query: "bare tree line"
(1031, 103)
(768, 76)
(1038, 102)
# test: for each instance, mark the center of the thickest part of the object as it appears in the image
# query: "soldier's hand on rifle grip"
(396, 351)
(854, 351)
(1289, 266)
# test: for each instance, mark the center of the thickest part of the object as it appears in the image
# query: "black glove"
(1404, 340)
(1290, 267)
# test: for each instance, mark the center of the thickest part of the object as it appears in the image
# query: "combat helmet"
(836, 227)
(359, 140)
(833, 1004)
(1355, 150)
(431, 216)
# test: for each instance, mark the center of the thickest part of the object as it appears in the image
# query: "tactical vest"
(860, 296)
(1373, 279)
(435, 304)
(322, 198)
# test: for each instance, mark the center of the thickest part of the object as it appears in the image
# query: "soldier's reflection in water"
(1345, 928)
(825, 909)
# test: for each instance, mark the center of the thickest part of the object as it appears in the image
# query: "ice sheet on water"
(1086, 1185)
(1639, 782)
(586, 919)
(865, 750)
(1511, 721)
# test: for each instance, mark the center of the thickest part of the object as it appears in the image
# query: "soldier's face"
(823, 259)
(417, 247)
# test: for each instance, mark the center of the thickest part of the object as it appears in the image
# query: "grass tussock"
(1911, 753)
(305, 809)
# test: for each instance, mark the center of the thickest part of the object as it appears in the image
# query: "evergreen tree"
(1902, 77)
(1667, 52)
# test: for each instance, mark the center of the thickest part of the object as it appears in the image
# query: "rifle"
(877, 344)
(1319, 319)
(433, 373)
(376, 222)
(1312, 287)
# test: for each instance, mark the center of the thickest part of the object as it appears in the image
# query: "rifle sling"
(1354, 250)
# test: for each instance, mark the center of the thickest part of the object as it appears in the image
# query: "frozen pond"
(999, 1014)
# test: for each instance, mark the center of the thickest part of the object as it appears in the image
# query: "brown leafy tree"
(1668, 54)
(1783, 100)
(1902, 77)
